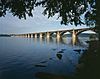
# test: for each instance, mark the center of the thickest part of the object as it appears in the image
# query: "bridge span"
(58, 33)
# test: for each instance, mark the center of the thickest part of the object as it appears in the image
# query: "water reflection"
(58, 40)
(48, 40)
(35, 40)
(62, 40)
(33, 55)
(77, 42)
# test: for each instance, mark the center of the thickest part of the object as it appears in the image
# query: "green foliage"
(69, 11)
(18, 8)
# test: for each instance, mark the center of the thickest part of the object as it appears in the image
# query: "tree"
(18, 8)
(69, 11)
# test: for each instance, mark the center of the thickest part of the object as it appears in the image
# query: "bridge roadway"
(58, 33)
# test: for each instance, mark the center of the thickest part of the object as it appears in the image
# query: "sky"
(38, 23)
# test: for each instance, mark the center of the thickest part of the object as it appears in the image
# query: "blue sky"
(37, 23)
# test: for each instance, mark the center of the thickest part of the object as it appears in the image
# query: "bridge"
(58, 33)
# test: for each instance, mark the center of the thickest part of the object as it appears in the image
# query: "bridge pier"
(48, 35)
(58, 34)
(35, 35)
(41, 35)
(74, 37)
(31, 35)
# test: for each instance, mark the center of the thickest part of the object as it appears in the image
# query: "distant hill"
(5, 35)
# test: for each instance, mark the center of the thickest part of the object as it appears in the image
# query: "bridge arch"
(66, 32)
(84, 30)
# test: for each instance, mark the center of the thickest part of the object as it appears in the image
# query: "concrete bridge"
(58, 33)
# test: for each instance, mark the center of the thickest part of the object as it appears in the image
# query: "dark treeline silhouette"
(5, 35)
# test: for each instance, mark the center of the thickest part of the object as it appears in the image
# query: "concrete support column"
(35, 35)
(74, 37)
(40, 35)
(48, 34)
(31, 35)
(58, 34)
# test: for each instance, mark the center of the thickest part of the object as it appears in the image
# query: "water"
(23, 58)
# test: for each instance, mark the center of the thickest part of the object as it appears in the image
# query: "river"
(25, 58)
